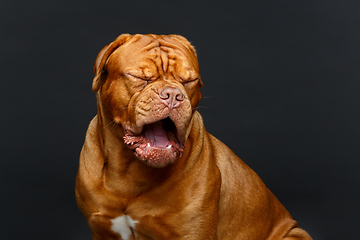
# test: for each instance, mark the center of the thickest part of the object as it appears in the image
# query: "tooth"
(168, 146)
(148, 145)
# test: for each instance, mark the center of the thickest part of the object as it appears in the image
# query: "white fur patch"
(122, 225)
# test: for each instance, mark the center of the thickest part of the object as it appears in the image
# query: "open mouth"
(157, 144)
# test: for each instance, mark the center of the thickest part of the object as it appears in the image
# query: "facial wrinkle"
(169, 56)
(172, 59)
(165, 60)
(151, 45)
(168, 52)
(174, 45)
(159, 61)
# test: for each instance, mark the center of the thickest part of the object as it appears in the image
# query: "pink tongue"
(156, 133)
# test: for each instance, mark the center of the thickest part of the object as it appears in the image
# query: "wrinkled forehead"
(156, 53)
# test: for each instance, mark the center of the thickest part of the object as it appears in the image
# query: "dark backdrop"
(281, 89)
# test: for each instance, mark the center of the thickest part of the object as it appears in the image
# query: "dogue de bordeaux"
(149, 169)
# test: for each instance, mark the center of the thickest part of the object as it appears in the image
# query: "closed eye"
(191, 84)
(134, 76)
(191, 81)
(139, 81)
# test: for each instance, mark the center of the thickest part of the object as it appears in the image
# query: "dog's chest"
(124, 226)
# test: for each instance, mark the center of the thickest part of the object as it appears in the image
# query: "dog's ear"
(103, 55)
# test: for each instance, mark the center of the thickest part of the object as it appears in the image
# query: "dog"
(150, 170)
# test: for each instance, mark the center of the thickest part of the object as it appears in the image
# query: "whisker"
(112, 122)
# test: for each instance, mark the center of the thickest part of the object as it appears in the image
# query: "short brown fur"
(208, 193)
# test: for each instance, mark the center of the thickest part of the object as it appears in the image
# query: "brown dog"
(148, 168)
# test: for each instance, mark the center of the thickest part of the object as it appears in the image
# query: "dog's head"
(149, 86)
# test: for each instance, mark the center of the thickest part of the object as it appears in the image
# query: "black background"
(281, 89)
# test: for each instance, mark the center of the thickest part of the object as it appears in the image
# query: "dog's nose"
(171, 97)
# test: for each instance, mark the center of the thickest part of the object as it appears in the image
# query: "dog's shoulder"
(236, 175)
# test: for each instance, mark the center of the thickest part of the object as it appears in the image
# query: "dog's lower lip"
(133, 133)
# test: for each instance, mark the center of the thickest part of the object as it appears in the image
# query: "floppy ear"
(103, 55)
